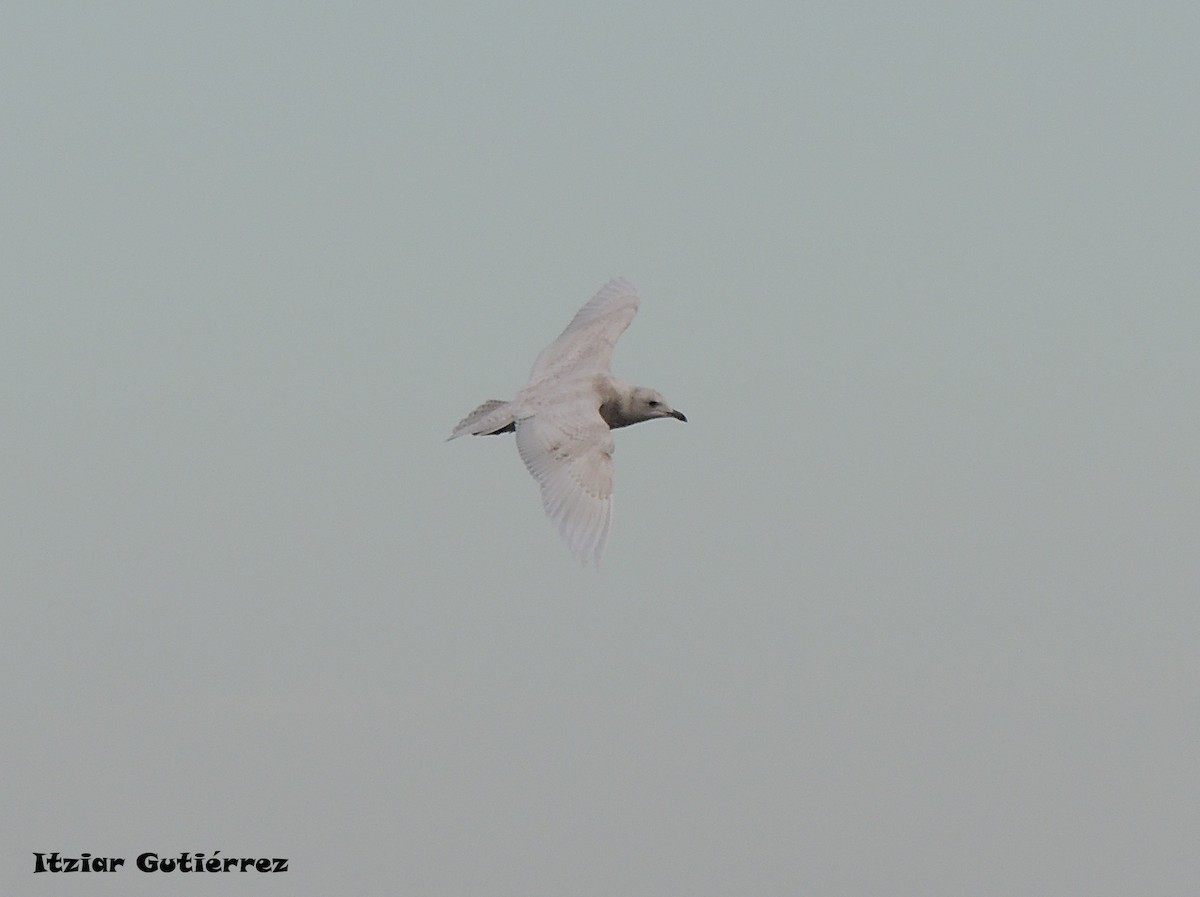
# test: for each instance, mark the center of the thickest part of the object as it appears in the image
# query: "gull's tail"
(491, 418)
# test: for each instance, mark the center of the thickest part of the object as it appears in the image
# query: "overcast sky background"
(909, 607)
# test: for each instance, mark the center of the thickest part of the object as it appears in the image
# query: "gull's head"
(647, 404)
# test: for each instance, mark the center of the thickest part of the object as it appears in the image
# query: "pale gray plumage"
(564, 416)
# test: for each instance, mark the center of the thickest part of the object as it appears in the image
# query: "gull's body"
(564, 416)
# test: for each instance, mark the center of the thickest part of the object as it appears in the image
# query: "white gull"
(564, 415)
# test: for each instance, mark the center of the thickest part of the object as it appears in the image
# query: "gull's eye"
(653, 403)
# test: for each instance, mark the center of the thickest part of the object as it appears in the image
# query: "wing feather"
(568, 450)
(586, 345)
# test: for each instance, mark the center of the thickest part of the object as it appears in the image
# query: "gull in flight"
(564, 416)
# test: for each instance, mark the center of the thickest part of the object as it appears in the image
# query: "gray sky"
(909, 607)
